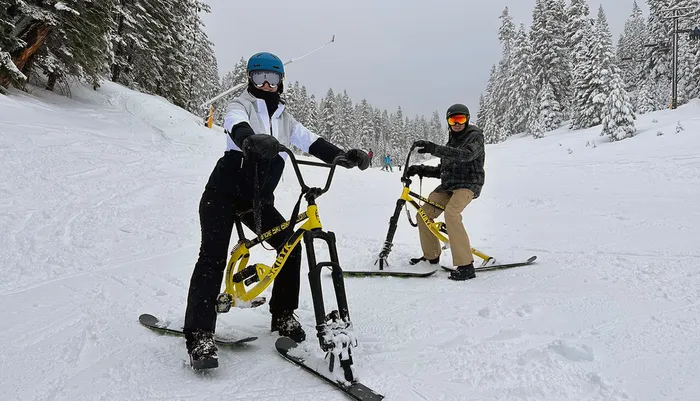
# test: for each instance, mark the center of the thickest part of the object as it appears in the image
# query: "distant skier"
(387, 163)
(243, 182)
(461, 171)
(371, 156)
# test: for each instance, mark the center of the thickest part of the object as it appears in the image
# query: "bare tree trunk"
(35, 37)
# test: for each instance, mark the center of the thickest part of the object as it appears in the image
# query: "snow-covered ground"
(98, 213)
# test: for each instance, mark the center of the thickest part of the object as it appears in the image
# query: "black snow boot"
(288, 326)
(462, 273)
(415, 261)
(202, 349)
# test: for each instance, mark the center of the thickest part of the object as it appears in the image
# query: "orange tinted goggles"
(457, 119)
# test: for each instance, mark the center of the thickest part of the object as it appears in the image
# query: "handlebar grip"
(341, 160)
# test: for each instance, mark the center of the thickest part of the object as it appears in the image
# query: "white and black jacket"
(247, 115)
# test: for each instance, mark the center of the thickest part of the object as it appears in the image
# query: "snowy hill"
(98, 212)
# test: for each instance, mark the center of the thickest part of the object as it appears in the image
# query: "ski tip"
(531, 259)
(284, 344)
(148, 319)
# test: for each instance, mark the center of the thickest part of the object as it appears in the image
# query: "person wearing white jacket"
(243, 183)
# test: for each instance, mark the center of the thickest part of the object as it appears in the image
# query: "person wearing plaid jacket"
(461, 174)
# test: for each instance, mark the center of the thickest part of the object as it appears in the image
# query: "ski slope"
(98, 213)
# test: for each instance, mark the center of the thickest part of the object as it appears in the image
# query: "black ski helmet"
(457, 108)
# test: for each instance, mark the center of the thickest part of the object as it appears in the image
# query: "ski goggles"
(457, 119)
(271, 77)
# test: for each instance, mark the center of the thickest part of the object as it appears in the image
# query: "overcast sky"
(421, 55)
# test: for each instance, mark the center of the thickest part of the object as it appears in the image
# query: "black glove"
(262, 145)
(425, 147)
(414, 170)
(356, 157)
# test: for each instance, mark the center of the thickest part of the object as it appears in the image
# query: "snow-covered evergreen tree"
(302, 114)
(688, 53)
(397, 132)
(549, 110)
(494, 131)
(594, 75)
(232, 78)
(312, 121)
(618, 114)
(9, 73)
(521, 82)
(482, 110)
(327, 118)
(549, 58)
(437, 131)
(560, 19)
(203, 78)
(646, 97)
(630, 52)
(366, 122)
(344, 115)
(503, 112)
(658, 64)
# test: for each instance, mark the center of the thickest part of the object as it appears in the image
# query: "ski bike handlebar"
(305, 188)
(404, 178)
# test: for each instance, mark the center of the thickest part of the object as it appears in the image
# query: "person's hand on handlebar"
(415, 170)
(355, 158)
(261, 145)
(425, 146)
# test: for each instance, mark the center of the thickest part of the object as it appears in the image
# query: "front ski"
(386, 273)
(156, 324)
(355, 390)
(529, 261)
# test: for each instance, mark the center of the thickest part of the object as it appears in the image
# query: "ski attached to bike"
(500, 266)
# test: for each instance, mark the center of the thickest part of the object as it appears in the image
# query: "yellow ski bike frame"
(437, 228)
(244, 283)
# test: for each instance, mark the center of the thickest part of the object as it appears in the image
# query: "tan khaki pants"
(459, 240)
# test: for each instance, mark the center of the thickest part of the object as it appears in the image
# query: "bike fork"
(338, 319)
(388, 242)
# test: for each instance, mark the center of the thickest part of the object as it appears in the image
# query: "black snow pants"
(221, 201)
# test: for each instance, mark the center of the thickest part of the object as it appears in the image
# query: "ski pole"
(236, 87)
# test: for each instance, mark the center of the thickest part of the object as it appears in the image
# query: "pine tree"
(32, 23)
(689, 53)
(502, 107)
(646, 100)
(328, 117)
(579, 41)
(618, 120)
(232, 78)
(658, 65)
(397, 132)
(344, 115)
(630, 51)
(594, 75)
(304, 107)
(9, 73)
(383, 147)
(549, 58)
(520, 82)
(480, 115)
(366, 125)
(312, 121)
(203, 78)
(437, 132)
(487, 120)
(560, 19)
(549, 109)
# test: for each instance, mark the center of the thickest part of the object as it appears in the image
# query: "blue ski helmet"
(265, 62)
